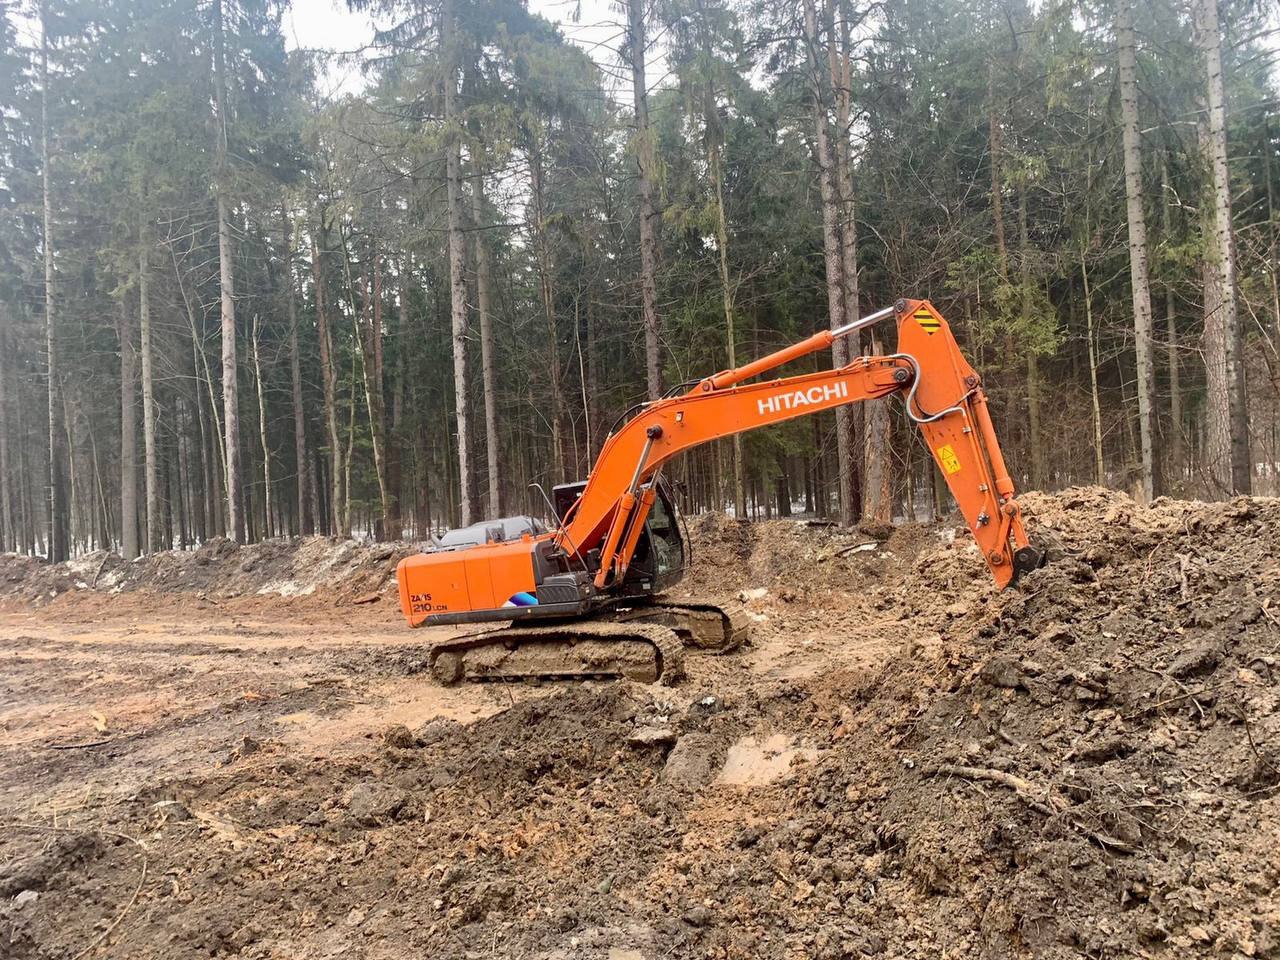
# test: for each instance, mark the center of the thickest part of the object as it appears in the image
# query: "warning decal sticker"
(948, 459)
(928, 322)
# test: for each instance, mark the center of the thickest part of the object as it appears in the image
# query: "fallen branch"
(1190, 694)
(843, 551)
(1030, 794)
(1266, 612)
(1025, 789)
(79, 746)
(1248, 732)
(102, 566)
(1184, 562)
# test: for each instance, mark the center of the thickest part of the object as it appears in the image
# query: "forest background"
(239, 298)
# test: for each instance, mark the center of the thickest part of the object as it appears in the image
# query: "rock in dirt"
(1200, 659)
(691, 763)
(652, 737)
(38, 871)
(697, 916)
(376, 803)
(172, 810)
(399, 737)
(246, 747)
(876, 529)
(564, 920)
(1004, 672)
(707, 706)
(25, 897)
(435, 731)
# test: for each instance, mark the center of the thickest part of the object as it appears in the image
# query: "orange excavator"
(586, 599)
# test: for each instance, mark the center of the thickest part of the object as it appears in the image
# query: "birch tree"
(1138, 276)
(1226, 426)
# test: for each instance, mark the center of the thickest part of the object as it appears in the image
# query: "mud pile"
(341, 569)
(1086, 766)
(808, 557)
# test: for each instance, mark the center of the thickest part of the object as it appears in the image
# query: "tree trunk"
(849, 420)
(488, 352)
(457, 262)
(831, 238)
(592, 385)
(395, 456)
(1033, 367)
(306, 518)
(59, 531)
(1175, 464)
(263, 440)
(8, 536)
(543, 258)
(1099, 470)
(726, 295)
(226, 283)
(150, 450)
(371, 377)
(1227, 434)
(211, 455)
(644, 149)
(879, 479)
(348, 451)
(997, 187)
(1139, 281)
(329, 381)
(833, 247)
(72, 488)
(230, 392)
(102, 523)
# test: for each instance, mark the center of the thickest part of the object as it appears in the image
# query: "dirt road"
(268, 750)
(902, 763)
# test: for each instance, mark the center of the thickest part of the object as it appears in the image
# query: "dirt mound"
(1088, 765)
(804, 555)
(343, 569)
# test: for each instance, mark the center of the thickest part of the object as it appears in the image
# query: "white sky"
(329, 25)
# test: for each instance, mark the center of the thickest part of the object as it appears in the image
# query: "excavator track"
(577, 650)
(704, 626)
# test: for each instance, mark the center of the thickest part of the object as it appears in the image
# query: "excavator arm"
(943, 396)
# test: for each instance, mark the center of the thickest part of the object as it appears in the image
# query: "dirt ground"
(237, 753)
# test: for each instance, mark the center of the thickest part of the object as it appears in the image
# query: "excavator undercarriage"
(643, 642)
(591, 598)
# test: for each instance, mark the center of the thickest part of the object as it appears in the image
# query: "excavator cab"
(661, 554)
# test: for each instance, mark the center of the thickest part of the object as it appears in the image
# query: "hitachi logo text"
(802, 398)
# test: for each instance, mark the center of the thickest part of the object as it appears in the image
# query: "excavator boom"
(606, 558)
(944, 398)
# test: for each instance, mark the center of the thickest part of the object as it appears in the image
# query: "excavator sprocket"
(579, 650)
(701, 625)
